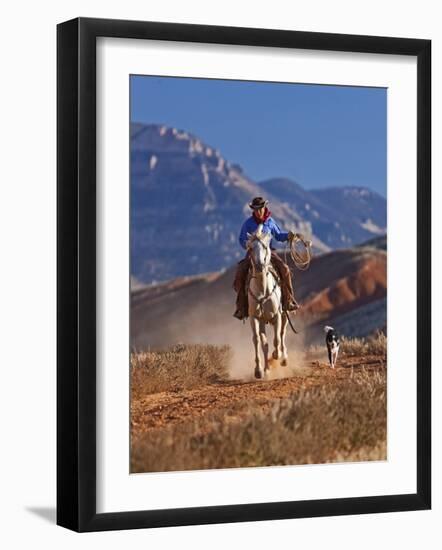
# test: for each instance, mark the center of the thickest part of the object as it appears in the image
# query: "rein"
(290, 323)
(301, 261)
(260, 301)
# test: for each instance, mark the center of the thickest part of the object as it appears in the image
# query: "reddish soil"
(236, 398)
(366, 283)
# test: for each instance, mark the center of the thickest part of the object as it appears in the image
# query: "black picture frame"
(76, 274)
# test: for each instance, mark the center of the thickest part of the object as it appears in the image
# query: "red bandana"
(265, 217)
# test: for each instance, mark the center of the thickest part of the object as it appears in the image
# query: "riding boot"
(288, 301)
(239, 285)
(242, 307)
(288, 298)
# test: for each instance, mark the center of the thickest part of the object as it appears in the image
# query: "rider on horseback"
(262, 215)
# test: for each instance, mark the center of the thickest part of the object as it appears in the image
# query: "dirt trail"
(236, 398)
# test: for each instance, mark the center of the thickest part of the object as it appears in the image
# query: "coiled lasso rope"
(300, 260)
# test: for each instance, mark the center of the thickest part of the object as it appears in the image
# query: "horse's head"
(258, 244)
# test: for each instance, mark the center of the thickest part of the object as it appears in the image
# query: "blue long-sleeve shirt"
(269, 226)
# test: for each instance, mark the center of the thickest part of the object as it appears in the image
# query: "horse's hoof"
(284, 363)
(258, 373)
(275, 355)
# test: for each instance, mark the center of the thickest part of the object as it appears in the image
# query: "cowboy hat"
(257, 203)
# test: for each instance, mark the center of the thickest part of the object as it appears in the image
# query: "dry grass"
(341, 421)
(180, 367)
(375, 345)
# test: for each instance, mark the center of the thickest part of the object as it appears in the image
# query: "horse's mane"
(258, 234)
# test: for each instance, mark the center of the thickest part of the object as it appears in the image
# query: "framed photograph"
(237, 338)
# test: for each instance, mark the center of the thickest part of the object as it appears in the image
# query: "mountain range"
(340, 216)
(188, 203)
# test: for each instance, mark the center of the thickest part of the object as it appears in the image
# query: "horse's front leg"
(284, 321)
(277, 336)
(254, 323)
(264, 345)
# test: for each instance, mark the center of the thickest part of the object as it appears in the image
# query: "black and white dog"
(332, 341)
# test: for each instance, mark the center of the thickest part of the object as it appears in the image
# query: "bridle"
(261, 301)
(301, 262)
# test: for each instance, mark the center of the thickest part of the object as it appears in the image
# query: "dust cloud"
(222, 329)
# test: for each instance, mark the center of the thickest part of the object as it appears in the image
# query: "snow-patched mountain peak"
(357, 192)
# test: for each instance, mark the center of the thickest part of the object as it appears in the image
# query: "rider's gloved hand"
(290, 236)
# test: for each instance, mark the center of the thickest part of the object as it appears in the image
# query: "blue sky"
(320, 136)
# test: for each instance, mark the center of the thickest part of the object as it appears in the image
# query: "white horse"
(264, 296)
